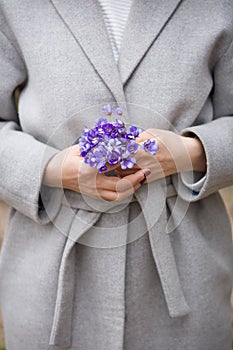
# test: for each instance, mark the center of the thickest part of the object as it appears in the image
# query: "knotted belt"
(152, 199)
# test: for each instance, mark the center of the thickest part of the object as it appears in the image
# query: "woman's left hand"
(176, 154)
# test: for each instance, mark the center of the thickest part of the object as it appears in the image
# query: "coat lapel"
(85, 22)
(146, 20)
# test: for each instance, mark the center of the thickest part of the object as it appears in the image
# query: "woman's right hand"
(67, 169)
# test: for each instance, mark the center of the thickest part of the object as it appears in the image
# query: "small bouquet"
(110, 143)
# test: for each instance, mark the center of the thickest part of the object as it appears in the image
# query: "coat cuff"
(217, 140)
(195, 186)
(22, 165)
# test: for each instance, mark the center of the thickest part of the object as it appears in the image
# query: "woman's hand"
(176, 154)
(68, 170)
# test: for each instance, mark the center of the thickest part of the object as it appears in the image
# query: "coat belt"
(153, 207)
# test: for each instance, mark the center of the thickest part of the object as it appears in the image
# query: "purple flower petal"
(107, 109)
(132, 147)
(107, 128)
(101, 121)
(134, 130)
(113, 158)
(127, 163)
(150, 146)
(119, 110)
(102, 168)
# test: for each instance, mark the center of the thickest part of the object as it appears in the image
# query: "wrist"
(52, 175)
(196, 152)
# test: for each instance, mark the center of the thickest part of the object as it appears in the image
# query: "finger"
(111, 183)
(118, 196)
(108, 183)
(132, 180)
(129, 192)
(98, 182)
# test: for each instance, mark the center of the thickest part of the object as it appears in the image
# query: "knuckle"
(123, 185)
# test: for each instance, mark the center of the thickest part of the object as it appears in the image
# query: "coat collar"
(85, 22)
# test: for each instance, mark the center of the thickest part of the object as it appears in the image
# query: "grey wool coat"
(151, 272)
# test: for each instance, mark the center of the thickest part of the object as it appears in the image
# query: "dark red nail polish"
(142, 182)
(147, 172)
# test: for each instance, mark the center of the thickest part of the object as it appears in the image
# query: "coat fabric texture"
(155, 270)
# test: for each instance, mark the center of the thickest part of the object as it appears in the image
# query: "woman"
(84, 265)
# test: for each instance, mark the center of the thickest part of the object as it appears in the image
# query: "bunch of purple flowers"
(111, 142)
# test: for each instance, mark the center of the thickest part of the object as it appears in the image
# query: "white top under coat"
(115, 13)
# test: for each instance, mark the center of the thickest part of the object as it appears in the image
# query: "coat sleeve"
(22, 158)
(216, 136)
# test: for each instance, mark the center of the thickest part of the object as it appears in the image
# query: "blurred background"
(227, 195)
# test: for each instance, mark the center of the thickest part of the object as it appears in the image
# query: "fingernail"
(147, 172)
